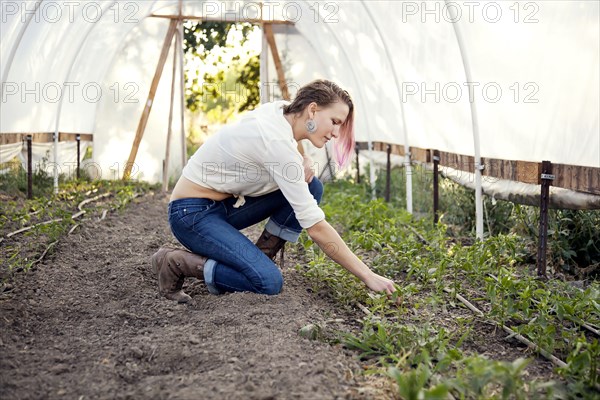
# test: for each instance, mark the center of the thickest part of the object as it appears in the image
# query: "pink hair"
(344, 146)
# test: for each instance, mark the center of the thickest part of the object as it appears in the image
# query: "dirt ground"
(88, 323)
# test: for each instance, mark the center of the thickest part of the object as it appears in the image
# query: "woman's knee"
(316, 189)
(273, 284)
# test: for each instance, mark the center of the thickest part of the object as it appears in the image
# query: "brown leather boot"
(172, 265)
(270, 244)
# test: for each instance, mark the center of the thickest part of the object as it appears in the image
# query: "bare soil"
(88, 322)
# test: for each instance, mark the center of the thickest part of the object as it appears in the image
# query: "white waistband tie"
(240, 201)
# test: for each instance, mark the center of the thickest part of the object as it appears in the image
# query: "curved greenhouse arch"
(366, 49)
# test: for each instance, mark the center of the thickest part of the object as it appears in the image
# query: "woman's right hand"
(380, 283)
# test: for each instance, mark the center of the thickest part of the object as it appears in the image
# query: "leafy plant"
(49, 218)
(404, 337)
(230, 90)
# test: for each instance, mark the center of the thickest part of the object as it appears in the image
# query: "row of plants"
(423, 337)
(573, 235)
(29, 229)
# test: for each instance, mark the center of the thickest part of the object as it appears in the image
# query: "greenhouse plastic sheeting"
(534, 69)
(41, 157)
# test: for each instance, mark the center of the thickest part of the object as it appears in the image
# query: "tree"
(231, 89)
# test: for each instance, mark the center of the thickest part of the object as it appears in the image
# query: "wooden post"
(268, 29)
(148, 107)
(29, 169)
(436, 186)
(388, 173)
(165, 185)
(182, 84)
(78, 138)
(285, 94)
(546, 179)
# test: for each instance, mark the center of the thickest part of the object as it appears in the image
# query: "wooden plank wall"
(43, 137)
(572, 177)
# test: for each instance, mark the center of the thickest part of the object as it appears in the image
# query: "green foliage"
(574, 238)
(404, 337)
(50, 218)
(413, 384)
(422, 181)
(250, 79)
(230, 90)
(14, 181)
(573, 235)
(478, 377)
(200, 38)
(395, 343)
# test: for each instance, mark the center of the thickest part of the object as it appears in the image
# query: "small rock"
(7, 287)
(310, 331)
(59, 369)
(137, 352)
(233, 360)
(113, 277)
(131, 366)
(194, 340)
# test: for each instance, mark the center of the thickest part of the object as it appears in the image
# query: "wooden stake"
(268, 29)
(546, 178)
(78, 155)
(436, 186)
(165, 185)
(285, 94)
(180, 33)
(556, 361)
(148, 107)
(29, 169)
(388, 173)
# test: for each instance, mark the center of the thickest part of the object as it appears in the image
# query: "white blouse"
(255, 156)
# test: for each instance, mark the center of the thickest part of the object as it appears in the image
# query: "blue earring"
(311, 126)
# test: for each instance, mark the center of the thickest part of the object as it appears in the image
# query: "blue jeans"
(212, 229)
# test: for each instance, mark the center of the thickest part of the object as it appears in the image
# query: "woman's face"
(328, 119)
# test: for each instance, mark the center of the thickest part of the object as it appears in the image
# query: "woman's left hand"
(307, 163)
